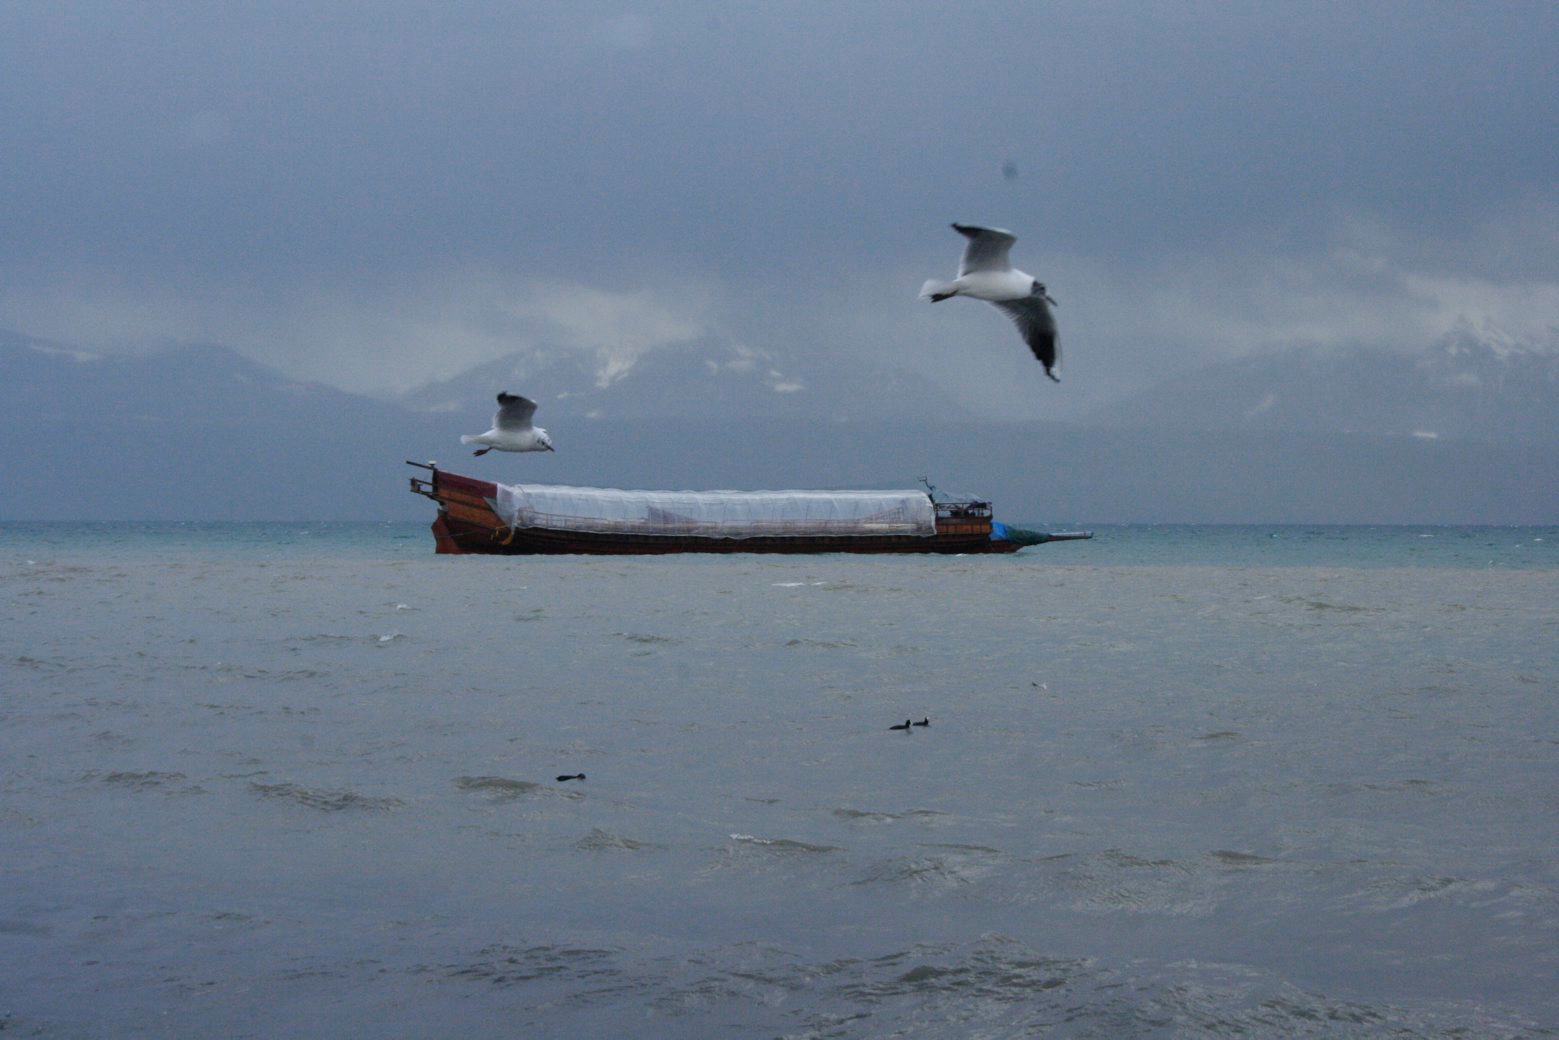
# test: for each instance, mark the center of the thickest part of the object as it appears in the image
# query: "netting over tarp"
(716, 514)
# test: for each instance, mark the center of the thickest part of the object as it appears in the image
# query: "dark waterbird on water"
(571, 776)
(924, 722)
(905, 727)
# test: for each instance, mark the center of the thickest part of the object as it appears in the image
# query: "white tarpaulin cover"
(716, 514)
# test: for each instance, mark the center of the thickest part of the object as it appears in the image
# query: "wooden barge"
(472, 519)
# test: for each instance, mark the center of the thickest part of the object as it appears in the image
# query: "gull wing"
(1038, 327)
(514, 412)
(986, 249)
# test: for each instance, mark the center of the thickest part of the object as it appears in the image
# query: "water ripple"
(325, 800)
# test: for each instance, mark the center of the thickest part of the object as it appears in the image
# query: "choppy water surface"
(260, 787)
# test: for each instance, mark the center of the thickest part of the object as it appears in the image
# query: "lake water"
(301, 781)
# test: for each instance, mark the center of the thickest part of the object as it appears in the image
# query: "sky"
(380, 194)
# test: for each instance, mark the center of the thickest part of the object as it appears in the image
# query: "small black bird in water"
(924, 722)
(573, 776)
(905, 727)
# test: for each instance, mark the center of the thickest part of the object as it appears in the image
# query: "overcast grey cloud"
(381, 194)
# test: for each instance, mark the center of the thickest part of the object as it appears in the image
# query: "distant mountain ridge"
(191, 432)
(707, 381)
(201, 433)
(192, 383)
(1475, 384)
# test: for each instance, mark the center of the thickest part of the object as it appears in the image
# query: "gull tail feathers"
(466, 438)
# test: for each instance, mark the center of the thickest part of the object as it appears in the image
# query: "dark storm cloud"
(262, 151)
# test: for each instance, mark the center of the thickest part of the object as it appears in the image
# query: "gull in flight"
(512, 430)
(985, 274)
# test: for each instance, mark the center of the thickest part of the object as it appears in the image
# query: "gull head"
(544, 440)
(1040, 290)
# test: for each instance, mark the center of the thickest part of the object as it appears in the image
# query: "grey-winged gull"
(512, 429)
(986, 274)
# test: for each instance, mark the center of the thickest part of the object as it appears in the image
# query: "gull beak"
(1051, 300)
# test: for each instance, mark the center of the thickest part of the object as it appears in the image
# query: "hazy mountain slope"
(191, 432)
(706, 381)
(202, 434)
(1470, 385)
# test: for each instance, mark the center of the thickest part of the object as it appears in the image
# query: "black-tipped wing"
(986, 250)
(514, 412)
(1038, 327)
